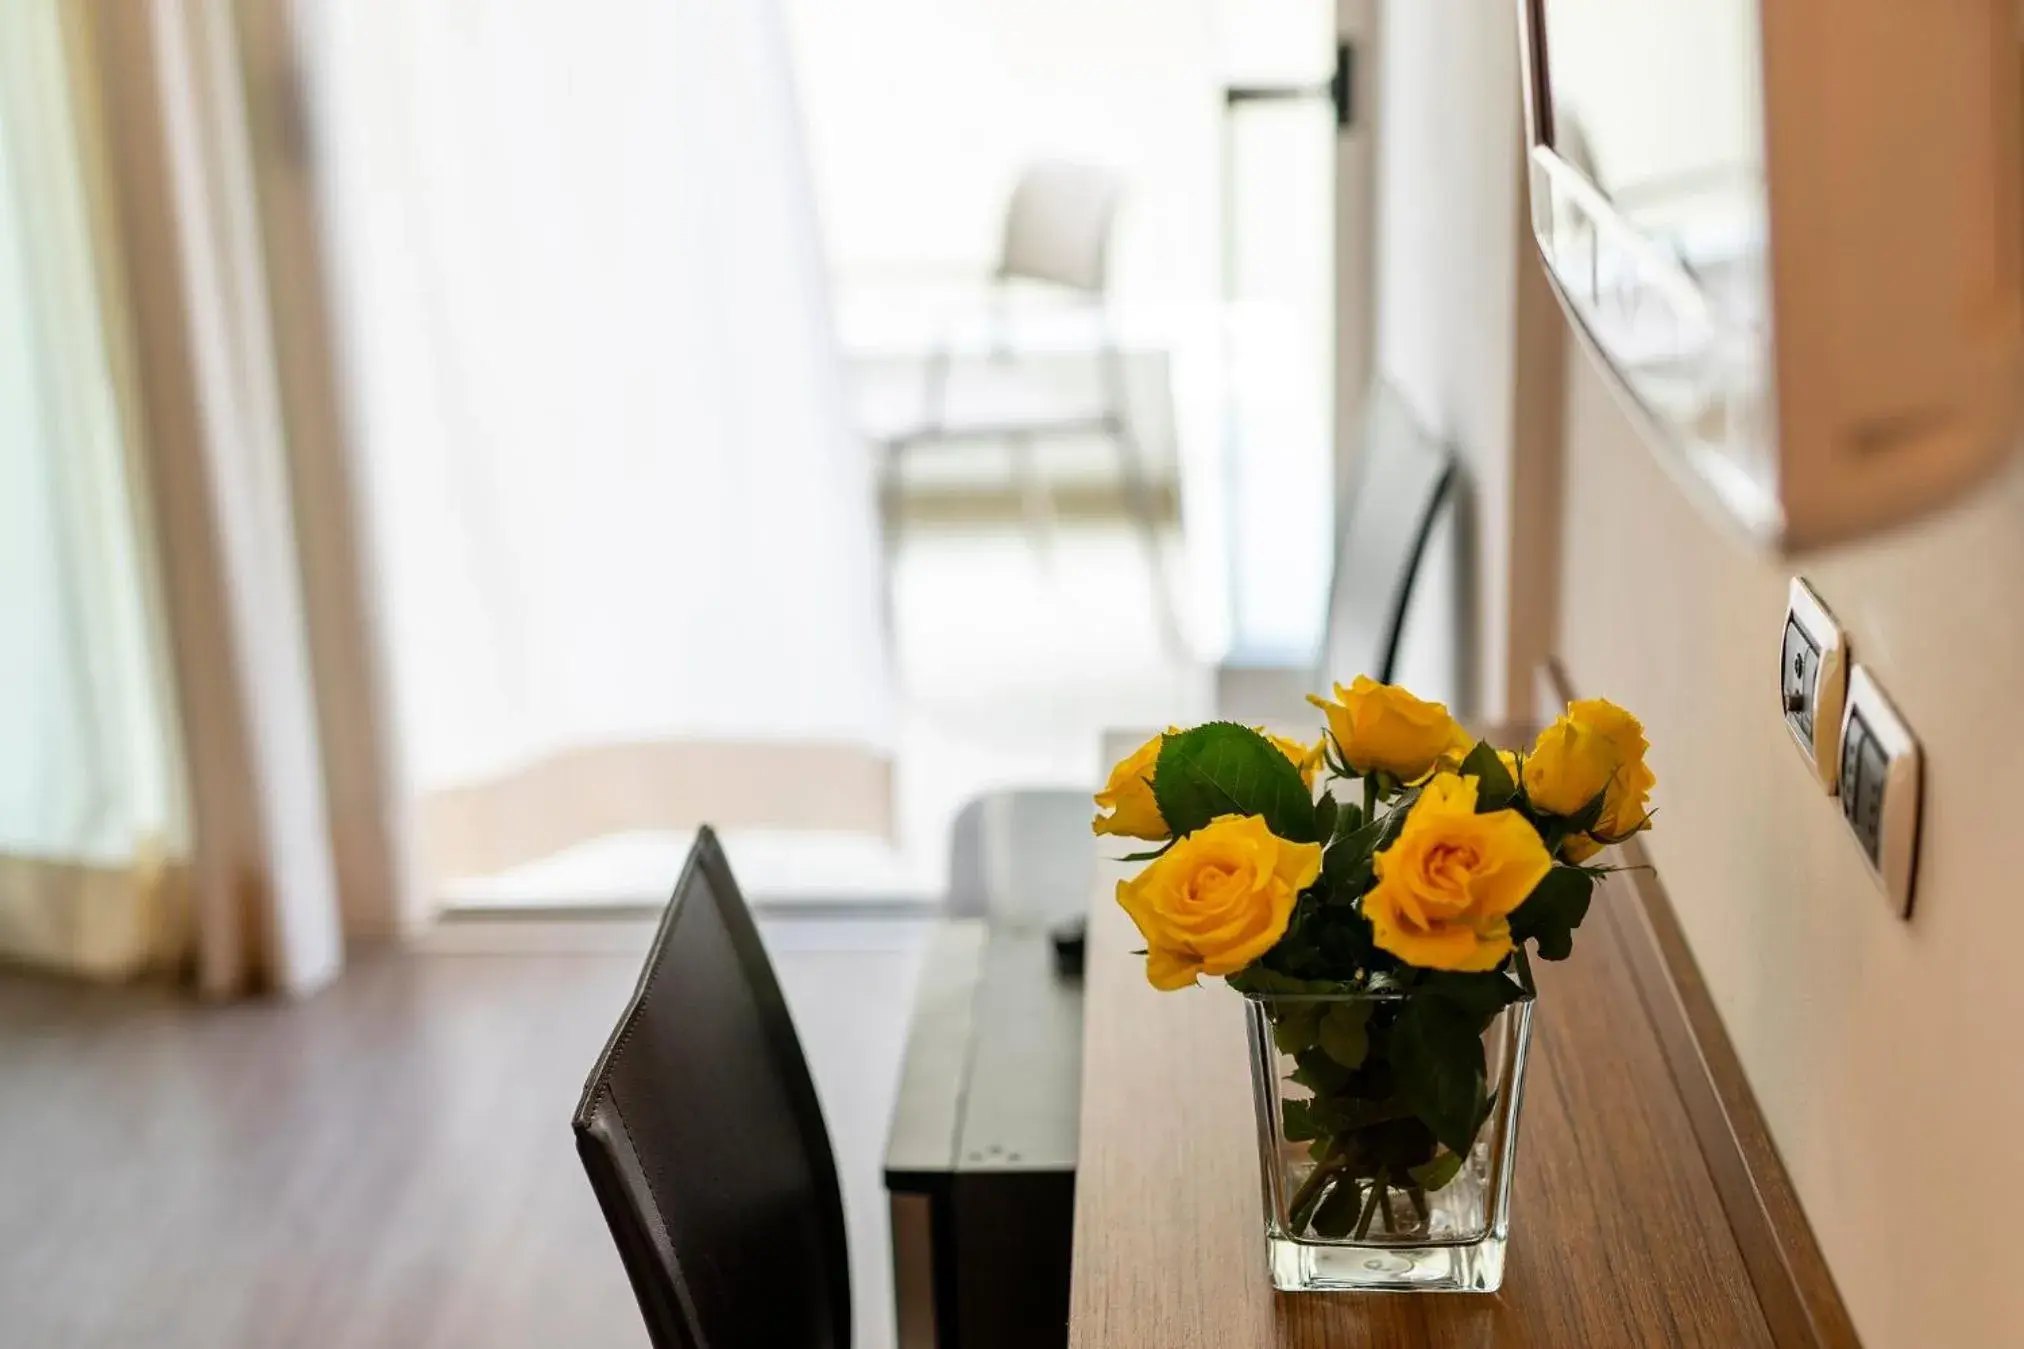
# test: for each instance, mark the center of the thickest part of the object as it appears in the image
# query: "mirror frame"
(1894, 167)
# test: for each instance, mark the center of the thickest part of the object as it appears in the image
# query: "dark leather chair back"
(705, 1143)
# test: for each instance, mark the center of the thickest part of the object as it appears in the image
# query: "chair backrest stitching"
(682, 1294)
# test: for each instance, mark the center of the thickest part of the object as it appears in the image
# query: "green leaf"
(1151, 854)
(1320, 1074)
(1258, 978)
(1348, 819)
(1345, 939)
(1433, 1175)
(1342, 864)
(1336, 1218)
(1437, 1051)
(1344, 1115)
(1590, 815)
(1484, 994)
(1298, 1122)
(1355, 870)
(1553, 911)
(1267, 982)
(1494, 785)
(1345, 1032)
(1347, 864)
(1297, 1026)
(1226, 769)
(1395, 817)
(1324, 816)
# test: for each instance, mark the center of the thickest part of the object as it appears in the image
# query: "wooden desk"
(1644, 1176)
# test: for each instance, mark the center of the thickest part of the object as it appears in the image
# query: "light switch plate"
(1813, 681)
(1882, 777)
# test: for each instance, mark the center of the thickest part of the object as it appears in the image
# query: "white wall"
(1447, 267)
(921, 112)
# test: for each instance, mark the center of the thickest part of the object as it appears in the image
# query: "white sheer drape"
(582, 298)
(90, 817)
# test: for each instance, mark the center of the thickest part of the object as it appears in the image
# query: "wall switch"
(1881, 774)
(1812, 681)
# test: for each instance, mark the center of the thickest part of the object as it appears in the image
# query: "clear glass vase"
(1359, 1192)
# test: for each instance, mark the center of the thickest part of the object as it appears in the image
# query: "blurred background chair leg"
(1034, 499)
(890, 507)
(1144, 506)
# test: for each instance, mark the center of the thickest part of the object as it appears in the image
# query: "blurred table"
(980, 1162)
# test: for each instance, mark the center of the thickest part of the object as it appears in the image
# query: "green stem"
(1369, 797)
(1370, 1205)
(1300, 1209)
(1419, 1201)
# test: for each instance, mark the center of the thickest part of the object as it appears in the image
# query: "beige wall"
(1883, 1052)
(1467, 335)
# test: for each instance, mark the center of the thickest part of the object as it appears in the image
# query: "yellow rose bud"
(1218, 899)
(1625, 810)
(1447, 791)
(1578, 849)
(1307, 758)
(1446, 888)
(1126, 806)
(1596, 747)
(1568, 765)
(1382, 728)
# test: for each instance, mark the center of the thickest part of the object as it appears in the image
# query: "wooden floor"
(387, 1164)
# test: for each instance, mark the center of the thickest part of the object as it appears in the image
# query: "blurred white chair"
(1023, 857)
(1057, 238)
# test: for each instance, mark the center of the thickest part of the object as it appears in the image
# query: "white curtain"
(189, 333)
(627, 539)
(91, 828)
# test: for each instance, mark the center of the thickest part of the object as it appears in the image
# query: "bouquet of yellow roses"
(1381, 931)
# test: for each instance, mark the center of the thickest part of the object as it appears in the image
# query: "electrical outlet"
(1881, 778)
(1813, 680)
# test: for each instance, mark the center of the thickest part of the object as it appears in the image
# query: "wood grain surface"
(1794, 1284)
(1619, 1236)
(386, 1165)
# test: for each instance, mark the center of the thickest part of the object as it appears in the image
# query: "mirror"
(1791, 237)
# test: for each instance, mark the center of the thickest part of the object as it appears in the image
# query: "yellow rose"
(1596, 747)
(1128, 796)
(1132, 811)
(1218, 899)
(1446, 888)
(1382, 728)
(1568, 765)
